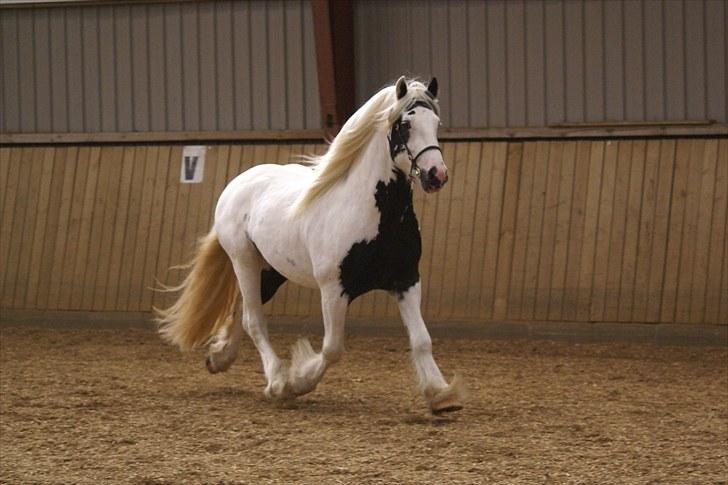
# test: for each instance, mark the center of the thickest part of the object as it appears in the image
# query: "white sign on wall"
(193, 164)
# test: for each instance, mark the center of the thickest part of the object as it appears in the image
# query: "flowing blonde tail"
(207, 300)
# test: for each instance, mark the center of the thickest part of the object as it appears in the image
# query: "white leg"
(224, 347)
(254, 323)
(308, 367)
(441, 396)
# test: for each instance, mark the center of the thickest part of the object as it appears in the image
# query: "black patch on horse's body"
(270, 281)
(390, 260)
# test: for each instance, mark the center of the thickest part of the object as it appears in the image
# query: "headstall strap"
(414, 167)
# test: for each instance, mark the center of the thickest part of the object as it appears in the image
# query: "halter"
(415, 168)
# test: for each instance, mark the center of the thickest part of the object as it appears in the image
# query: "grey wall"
(159, 67)
(534, 63)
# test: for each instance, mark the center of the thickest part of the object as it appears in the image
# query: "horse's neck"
(374, 167)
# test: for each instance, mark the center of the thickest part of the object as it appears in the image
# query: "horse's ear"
(432, 87)
(401, 87)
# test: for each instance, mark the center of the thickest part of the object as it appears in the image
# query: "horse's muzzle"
(433, 180)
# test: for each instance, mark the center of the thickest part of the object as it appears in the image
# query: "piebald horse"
(344, 224)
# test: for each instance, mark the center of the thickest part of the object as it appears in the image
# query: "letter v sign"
(193, 164)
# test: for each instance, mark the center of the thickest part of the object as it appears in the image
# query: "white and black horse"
(344, 224)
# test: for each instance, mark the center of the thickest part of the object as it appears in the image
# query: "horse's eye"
(411, 112)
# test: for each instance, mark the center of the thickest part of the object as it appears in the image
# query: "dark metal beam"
(334, 34)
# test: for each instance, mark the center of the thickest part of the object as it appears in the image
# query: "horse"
(343, 223)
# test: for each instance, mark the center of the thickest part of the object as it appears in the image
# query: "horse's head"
(413, 143)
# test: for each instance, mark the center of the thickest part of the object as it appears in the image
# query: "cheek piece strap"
(414, 169)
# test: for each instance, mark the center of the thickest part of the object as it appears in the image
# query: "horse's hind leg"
(248, 271)
(224, 347)
(308, 367)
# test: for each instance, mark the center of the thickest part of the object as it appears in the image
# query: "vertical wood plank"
(675, 232)
(715, 296)
(705, 226)
(138, 235)
(458, 170)
(9, 198)
(164, 192)
(171, 226)
(548, 233)
(591, 227)
(535, 230)
(439, 246)
(561, 237)
(84, 186)
(646, 230)
(295, 107)
(493, 222)
(582, 178)
(690, 230)
(38, 231)
(102, 232)
(507, 230)
(617, 237)
(55, 203)
(118, 276)
(604, 231)
(30, 218)
(21, 192)
(613, 60)
(664, 196)
(242, 65)
(520, 242)
(627, 287)
(535, 70)
(467, 228)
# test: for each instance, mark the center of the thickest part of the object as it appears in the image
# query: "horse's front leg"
(440, 396)
(307, 367)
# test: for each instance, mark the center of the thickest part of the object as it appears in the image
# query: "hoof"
(446, 406)
(210, 368)
(449, 399)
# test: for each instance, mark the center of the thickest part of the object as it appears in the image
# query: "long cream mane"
(382, 109)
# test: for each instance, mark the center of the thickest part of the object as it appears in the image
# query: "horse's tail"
(207, 298)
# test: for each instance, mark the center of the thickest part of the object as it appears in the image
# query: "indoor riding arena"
(569, 257)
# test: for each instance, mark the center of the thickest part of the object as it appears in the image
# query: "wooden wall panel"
(619, 230)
